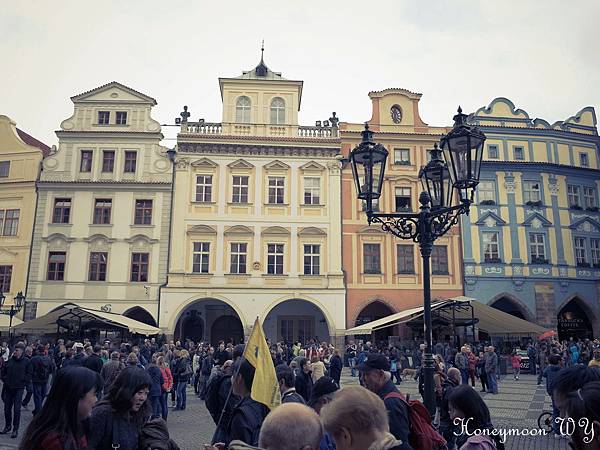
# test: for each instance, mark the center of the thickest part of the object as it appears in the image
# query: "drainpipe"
(37, 197)
(171, 153)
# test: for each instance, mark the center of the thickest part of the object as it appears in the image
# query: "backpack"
(213, 400)
(422, 434)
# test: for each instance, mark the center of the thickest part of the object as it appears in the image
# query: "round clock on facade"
(396, 113)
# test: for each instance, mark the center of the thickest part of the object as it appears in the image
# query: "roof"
(261, 71)
(113, 84)
(30, 140)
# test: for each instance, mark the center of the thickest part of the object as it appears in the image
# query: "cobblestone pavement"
(517, 406)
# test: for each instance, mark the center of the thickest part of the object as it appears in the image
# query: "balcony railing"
(238, 129)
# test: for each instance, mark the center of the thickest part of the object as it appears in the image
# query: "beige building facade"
(256, 220)
(102, 224)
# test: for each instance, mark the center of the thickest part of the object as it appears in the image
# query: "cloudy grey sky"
(543, 55)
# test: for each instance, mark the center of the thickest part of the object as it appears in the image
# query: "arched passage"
(296, 320)
(209, 320)
(575, 320)
(374, 311)
(141, 315)
(511, 306)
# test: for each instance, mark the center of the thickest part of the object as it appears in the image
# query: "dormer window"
(242, 110)
(121, 117)
(277, 111)
(103, 117)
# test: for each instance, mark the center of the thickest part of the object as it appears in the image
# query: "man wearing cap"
(16, 374)
(377, 378)
(323, 392)
(79, 357)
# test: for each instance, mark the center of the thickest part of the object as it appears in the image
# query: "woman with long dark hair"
(471, 416)
(118, 419)
(61, 422)
(583, 417)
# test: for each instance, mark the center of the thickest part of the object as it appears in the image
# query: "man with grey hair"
(277, 434)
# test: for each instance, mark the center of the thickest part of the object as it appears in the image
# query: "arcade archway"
(141, 315)
(510, 306)
(296, 320)
(575, 321)
(373, 311)
(209, 320)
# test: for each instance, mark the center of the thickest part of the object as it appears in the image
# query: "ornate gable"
(113, 92)
(240, 164)
(536, 220)
(204, 163)
(312, 166)
(276, 165)
(586, 225)
(490, 219)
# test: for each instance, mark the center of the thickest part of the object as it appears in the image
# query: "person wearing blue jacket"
(549, 374)
(155, 390)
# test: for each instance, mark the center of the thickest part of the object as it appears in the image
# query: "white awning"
(73, 314)
(5, 321)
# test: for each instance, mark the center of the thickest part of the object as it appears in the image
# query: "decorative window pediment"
(370, 230)
(57, 238)
(586, 225)
(275, 231)
(140, 241)
(311, 231)
(239, 230)
(312, 166)
(536, 220)
(490, 220)
(201, 229)
(240, 164)
(204, 163)
(98, 239)
(276, 165)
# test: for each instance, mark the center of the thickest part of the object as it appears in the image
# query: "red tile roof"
(30, 140)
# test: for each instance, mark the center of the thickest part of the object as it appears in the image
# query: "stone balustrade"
(310, 132)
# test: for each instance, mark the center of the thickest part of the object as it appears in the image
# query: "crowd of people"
(105, 395)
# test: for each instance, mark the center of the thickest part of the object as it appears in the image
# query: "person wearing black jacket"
(16, 374)
(94, 361)
(447, 428)
(377, 378)
(221, 355)
(41, 368)
(285, 378)
(304, 382)
(335, 367)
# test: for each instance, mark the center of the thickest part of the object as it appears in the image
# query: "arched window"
(242, 110)
(277, 111)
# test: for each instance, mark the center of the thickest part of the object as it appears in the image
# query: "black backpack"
(213, 400)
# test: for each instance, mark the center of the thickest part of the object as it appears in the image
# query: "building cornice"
(534, 165)
(506, 130)
(255, 150)
(92, 134)
(185, 138)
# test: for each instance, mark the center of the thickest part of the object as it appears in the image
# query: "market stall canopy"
(5, 321)
(72, 313)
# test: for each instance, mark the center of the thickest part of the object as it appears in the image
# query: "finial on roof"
(262, 49)
(261, 70)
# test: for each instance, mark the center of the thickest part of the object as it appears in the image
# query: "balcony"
(266, 130)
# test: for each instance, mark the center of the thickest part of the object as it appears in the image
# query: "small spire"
(262, 49)
(261, 70)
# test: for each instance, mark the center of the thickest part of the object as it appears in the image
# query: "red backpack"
(422, 434)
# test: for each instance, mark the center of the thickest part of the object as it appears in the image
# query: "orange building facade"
(384, 273)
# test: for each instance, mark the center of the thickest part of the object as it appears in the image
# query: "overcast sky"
(543, 55)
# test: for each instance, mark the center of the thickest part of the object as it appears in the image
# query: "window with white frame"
(10, 217)
(487, 191)
(103, 117)
(277, 111)
(201, 253)
(312, 191)
(203, 188)
(537, 248)
(276, 190)
(403, 199)
(573, 195)
(402, 156)
(519, 153)
(531, 191)
(240, 189)
(312, 256)
(492, 151)
(121, 118)
(242, 109)
(490, 246)
(275, 259)
(238, 257)
(595, 248)
(589, 197)
(584, 160)
(580, 252)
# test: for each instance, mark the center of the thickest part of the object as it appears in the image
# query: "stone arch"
(366, 303)
(374, 310)
(329, 320)
(588, 312)
(505, 301)
(141, 315)
(194, 299)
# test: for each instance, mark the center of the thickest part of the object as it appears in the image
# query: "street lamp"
(463, 150)
(12, 309)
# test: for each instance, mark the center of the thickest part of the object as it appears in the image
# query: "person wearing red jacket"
(166, 387)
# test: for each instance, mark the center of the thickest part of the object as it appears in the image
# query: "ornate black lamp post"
(12, 309)
(463, 149)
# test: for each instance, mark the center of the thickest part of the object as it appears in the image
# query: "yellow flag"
(265, 388)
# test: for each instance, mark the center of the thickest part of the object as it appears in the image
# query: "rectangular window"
(108, 161)
(487, 191)
(85, 164)
(403, 199)
(312, 191)
(405, 258)
(121, 117)
(275, 259)
(98, 266)
(56, 266)
(276, 190)
(11, 222)
(518, 153)
(201, 255)
(589, 197)
(402, 156)
(203, 188)
(4, 169)
(143, 212)
(103, 117)
(372, 258)
(102, 210)
(490, 247)
(573, 195)
(531, 191)
(286, 330)
(62, 210)
(580, 252)
(492, 151)
(537, 248)
(583, 160)
(130, 162)
(240, 189)
(312, 256)
(5, 277)
(238, 258)
(139, 267)
(439, 260)
(595, 247)
(374, 205)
